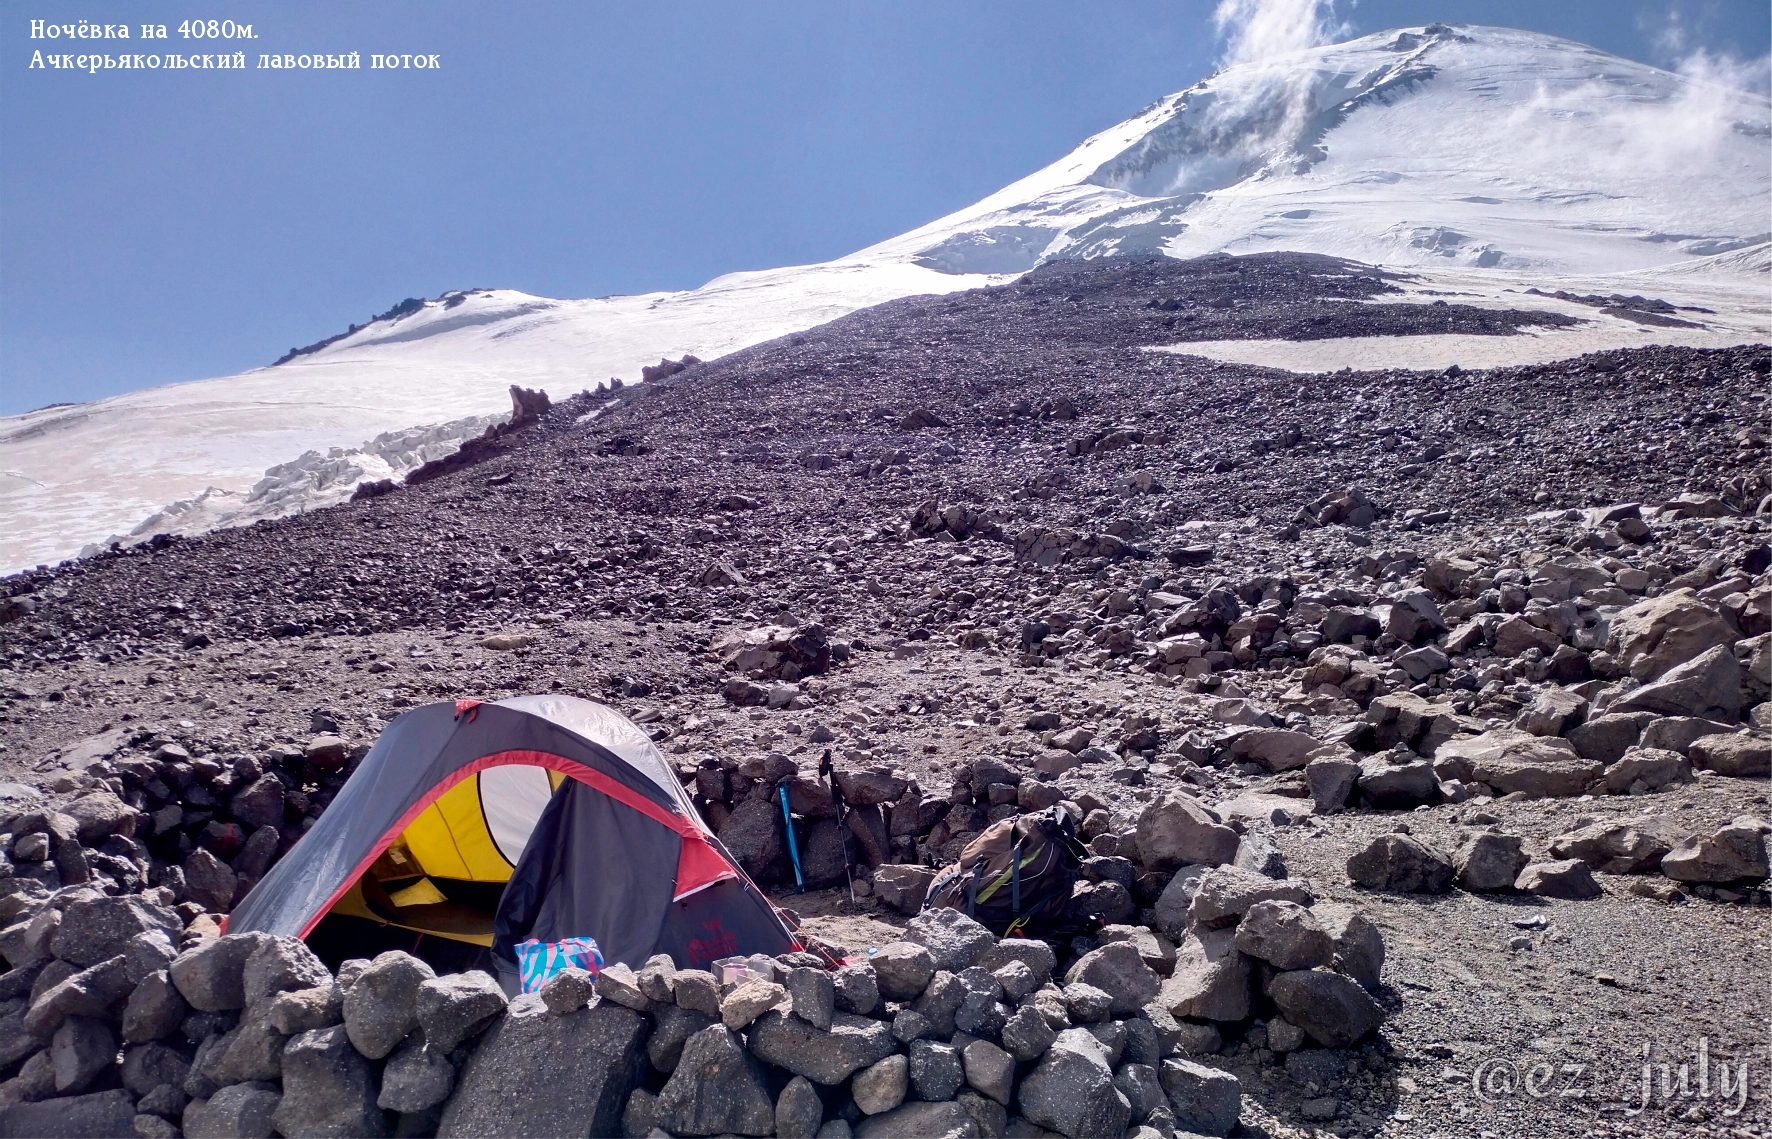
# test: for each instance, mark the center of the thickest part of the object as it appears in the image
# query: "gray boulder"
(881, 1086)
(1570, 879)
(328, 1089)
(1207, 1101)
(902, 969)
(155, 1009)
(1225, 894)
(1027, 1034)
(1072, 1090)
(93, 929)
(1540, 767)
(856, 988)
(924, 1120)
(1335, 1010)
(1604, 739)
(99, 1113)
(954, 940)
(240, 1111)
(1733, 853)
(935, 1069)
(280, 965)
(1488, 863)
(381, 1006)
(1142, 1089)
(1176, 901)
(588, 1061)
(1211, 978)
(697, 991)
(1708, 686)
(1397, 863)
(1118, 970)
(1642, 769)
(672, 1028)
(798, 1110)
(1747, 756)
(903, 887)
(989, 1070)
(1177, 830)
(417, 1076)
(852, 1043)
(1284, 934)
(307, 1009)
(1331, 779)
(80, 1049)
(210, 974)
(568, 991)
(456, 1007)
(814, 994)
(1618, 846)
(716, 1088)
(1032, 952)
(1397, 786)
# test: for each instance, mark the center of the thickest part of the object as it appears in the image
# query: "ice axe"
(793, 847)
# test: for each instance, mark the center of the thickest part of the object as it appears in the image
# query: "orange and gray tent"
(536, 817)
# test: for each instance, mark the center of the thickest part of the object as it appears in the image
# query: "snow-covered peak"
(1466, 145)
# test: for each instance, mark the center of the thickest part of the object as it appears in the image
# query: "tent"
(539, 816)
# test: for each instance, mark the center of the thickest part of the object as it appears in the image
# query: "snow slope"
(1507, 156)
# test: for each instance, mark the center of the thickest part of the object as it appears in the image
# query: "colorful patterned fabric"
(539, 960)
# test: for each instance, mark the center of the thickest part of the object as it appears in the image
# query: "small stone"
(567, 991)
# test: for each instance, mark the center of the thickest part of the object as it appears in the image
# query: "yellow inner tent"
(443, 875)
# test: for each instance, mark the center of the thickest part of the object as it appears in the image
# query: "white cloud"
(1255, 30)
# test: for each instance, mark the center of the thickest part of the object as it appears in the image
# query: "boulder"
(80, 1049)
(328, 1088)
(1284, 934)
(99, 1113)
(210, 974)
(100, 815)
(1333, 1009)
(1678, 733)
(1119, 970)
(568, 990)
(749, 1001)
(1072, 1090)
(716, 1088)
(1142, 1088)
(989, 1070)
(1733, 853)
(940, 1002)
(416, 1077)
(1086, 1004)
(902, 969)
(1225, 894)
(1397, 863)
(209, 881)
(856, 988)
(1489, 863)
(456, 1007)
(754, 835)
(931, 1120)
(1540, 767)
(1553, 712)
(1643, 769)
(1653, 637)
(1331, 779)
(1210, 980)
(1745, 755)
(1359, 949)
(240, 1111)
(155, 1010)
(881, 1086)
(1618, 846)
(1026, 1034)
(1567, 878)
(798, 1110)
(95, 928)
(935, 1069)
(852, 1043)
(814, 994)
(1276, 749)
(1397, 786)
(307, 1009)
(954, 940)
(1177, 830)
(1708, 686)
(1206, 1101)
(903, 887)
(260, 803)
(1605, 738)
(588, 1061)
(381, 1005)
(281, 965)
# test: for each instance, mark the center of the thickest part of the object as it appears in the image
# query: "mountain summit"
(1517, 156)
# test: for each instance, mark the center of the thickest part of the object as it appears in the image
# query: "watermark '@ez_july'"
(1695, 1077)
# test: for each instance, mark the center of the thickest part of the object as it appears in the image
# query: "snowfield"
(1486, 160)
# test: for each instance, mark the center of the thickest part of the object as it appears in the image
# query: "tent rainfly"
(538, 816)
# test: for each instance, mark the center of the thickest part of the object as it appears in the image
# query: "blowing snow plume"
(1256, 30)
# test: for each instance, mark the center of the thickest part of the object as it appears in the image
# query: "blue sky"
(162, 226)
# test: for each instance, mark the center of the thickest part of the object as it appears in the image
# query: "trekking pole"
(793, 847)
(829, 772)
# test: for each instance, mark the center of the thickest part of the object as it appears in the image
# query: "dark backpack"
(1015, 877)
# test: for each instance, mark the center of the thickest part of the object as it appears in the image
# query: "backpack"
(1015, 876)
